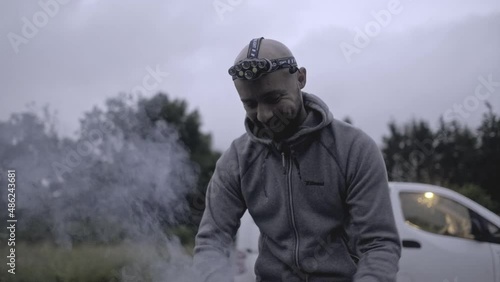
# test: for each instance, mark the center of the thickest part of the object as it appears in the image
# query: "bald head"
(269, 49)
(275, 94)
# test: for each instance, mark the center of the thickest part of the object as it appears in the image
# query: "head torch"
(252, 67)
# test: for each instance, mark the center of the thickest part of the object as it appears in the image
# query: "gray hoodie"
(320, 199)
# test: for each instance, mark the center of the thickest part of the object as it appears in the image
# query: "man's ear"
(302, 77)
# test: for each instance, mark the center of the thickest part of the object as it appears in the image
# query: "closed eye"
(273, 100)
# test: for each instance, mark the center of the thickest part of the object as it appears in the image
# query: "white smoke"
(124, 179)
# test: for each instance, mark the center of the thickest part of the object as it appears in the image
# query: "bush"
(83, 263)
(478, 195)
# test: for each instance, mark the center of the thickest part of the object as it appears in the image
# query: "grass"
(82, 263)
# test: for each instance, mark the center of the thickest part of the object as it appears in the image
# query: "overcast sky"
(421, 59)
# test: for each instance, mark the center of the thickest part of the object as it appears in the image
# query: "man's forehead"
(259, 95)
(267, 83)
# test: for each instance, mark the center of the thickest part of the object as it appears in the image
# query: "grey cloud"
(94, 49)
(420, 73)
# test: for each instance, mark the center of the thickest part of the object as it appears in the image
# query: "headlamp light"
(244, 70)
(249, 74)
(253, 68)
(245, 65)
(232, 71)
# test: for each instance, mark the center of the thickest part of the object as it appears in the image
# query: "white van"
(446, 237)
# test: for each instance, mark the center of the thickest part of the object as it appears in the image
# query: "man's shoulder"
(242, 150)
(345, 135)
(241, 143)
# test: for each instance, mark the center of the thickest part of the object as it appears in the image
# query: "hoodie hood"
(318, 116)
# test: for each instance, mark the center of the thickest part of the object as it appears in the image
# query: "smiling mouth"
(276, 127)
(276, 124)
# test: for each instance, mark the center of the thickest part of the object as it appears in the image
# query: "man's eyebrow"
(273, 92)
(247, 100)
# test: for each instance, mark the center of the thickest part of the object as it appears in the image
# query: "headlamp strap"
(253, 48)
(252, 67)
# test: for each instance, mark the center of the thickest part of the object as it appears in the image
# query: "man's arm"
(224, 207)
(372, 222)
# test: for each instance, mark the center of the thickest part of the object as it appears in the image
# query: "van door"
(494, 238)
(438, 240)
(496, 260)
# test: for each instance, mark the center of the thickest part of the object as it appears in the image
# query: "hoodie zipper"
(288, 172)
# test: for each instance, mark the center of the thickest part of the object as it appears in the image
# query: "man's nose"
(264, 114)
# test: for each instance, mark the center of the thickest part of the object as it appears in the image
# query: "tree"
(29, 145)
(123, 179)
(408, 152)
(125, 176)
(453, 156)
(488, 154)
(198, 144)
(456, 153)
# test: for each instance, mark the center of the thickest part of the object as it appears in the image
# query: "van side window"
(494, 232)
(493, 229)
(436, 214)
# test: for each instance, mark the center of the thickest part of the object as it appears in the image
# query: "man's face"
(274, 101)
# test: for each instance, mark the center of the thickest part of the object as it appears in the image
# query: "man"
(315, 186)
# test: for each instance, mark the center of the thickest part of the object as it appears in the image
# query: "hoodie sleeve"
(372, 221)
(224, 206)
